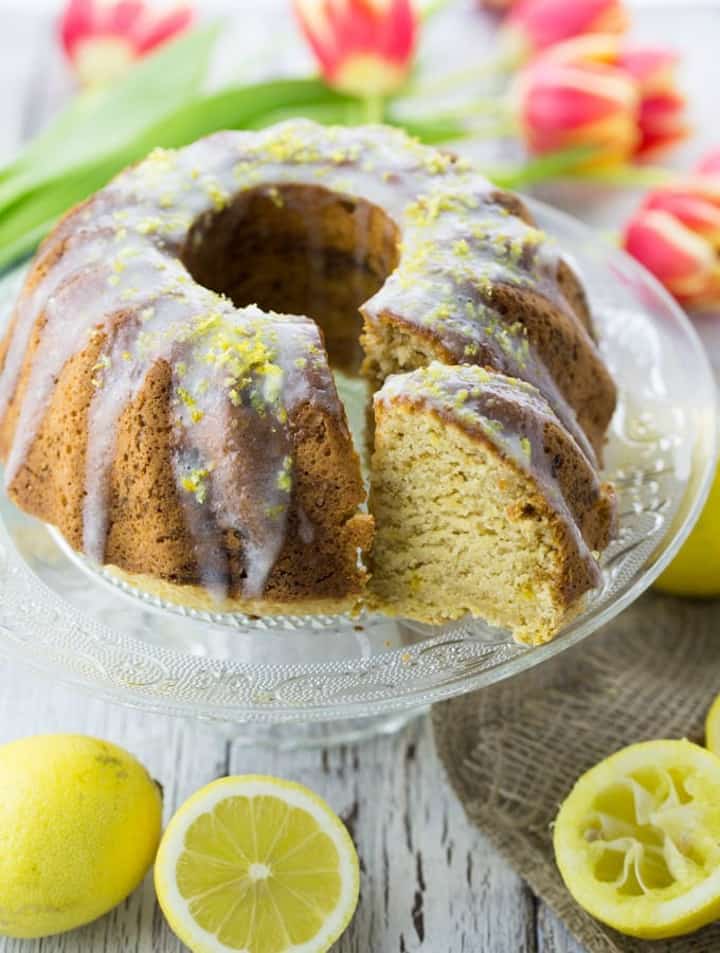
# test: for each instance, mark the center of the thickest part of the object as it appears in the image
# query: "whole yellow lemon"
(80, 822)
(695, 571)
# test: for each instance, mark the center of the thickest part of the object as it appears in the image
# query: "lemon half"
(637, 841)
(257, 864)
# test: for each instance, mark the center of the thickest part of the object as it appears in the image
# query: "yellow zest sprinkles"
(284, 480)
(196, 415)
(195, 482)
(102, 364)
(428, 208)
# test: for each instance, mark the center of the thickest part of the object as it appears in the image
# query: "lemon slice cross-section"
(637, 840)
(255, 864)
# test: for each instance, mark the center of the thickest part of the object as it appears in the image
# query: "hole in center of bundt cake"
(298, 249)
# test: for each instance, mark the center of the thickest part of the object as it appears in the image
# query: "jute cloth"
(513, 752)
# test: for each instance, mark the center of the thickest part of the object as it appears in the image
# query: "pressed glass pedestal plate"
(295, 680)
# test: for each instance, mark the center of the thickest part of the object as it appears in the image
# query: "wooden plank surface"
(429, 881)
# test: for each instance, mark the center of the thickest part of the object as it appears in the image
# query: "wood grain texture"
(551, 934)
(429, 881)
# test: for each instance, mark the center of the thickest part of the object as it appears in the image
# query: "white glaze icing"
(120, 257)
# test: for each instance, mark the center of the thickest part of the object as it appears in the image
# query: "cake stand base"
(289, 736)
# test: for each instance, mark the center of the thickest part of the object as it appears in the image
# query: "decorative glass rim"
(39, 627)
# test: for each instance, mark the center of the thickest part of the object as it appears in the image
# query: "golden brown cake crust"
(168, 426)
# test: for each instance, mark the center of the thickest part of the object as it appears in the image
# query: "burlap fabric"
(513, 752)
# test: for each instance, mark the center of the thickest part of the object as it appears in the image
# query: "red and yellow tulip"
(102, 37)
(661, 119)
(710, 164)
(594, 91)
(676, 235)
(536, 25)
(363, 47)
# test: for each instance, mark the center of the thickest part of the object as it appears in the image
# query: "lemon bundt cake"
(166, 398)
(483, 503)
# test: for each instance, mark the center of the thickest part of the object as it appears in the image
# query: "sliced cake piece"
(483, 502)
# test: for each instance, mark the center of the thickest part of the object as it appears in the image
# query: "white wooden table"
(429, 880)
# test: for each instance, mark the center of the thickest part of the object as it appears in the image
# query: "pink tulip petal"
(100, 37)
(652, 68)
(694, 211)
(662, 123)
(120, 18)
(710, 163)
(165, 28)
(562, 105)
(677, 257)
(363, 46)
(543, 23)
(77, 21)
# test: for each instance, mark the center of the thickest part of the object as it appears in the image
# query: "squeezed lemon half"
(637, 840)
(258, 865)
(712, 728)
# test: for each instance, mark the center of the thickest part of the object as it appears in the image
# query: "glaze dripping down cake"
(166, 393)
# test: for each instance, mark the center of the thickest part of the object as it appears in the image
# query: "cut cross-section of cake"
(484, 503)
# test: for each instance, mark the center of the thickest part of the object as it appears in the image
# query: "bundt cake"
(483, 502)
(167, 404)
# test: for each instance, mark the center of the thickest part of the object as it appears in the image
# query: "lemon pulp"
(637, 841)
(259, 865)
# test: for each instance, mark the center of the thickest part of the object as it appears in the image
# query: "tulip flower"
(566, 104)
(363, 47)
(102, 38)
(676, 235)
(710, 164)
(535, 25)
(591, 91)
(661, 119)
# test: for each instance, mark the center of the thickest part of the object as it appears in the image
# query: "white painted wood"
(180, 756)
(552, 937)
(429, 882)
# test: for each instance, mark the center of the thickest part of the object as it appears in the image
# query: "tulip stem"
(374, 109)
(503, 128)
(554, 165)
(432, 7)
(487, 106)
(504, 63)
(626, 176)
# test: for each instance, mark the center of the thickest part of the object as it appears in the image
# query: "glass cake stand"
(295, 680)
